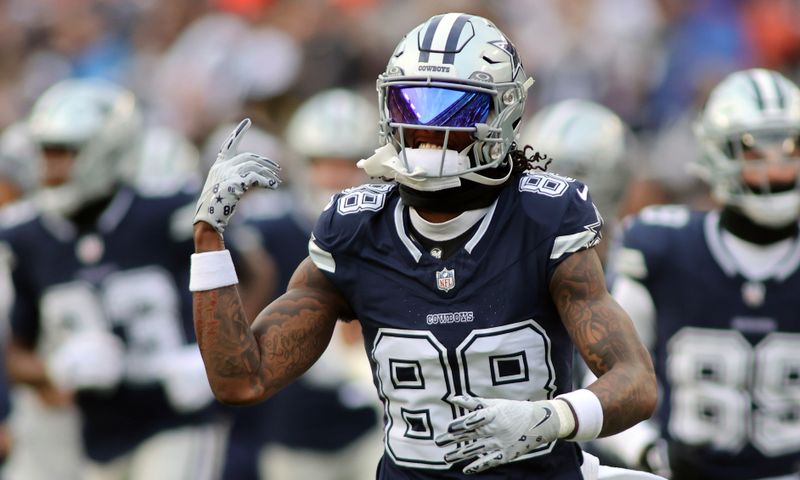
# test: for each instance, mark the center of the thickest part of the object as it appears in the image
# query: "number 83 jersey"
(127, 276)
(479, 321)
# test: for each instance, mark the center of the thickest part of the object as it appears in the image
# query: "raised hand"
(230, 176)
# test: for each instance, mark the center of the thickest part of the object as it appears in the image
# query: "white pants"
(592, 470)
(46, 440)
(358, 461)
(188, 452)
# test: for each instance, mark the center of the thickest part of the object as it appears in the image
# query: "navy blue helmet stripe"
(759, 97)
(452, 39)
(427, 42)
(778, 91)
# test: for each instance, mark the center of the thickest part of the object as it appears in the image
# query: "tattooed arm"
(607, 341)
(246, 364)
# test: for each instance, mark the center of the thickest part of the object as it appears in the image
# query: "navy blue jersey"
(727, 351)
(130, 276)
(479, 321)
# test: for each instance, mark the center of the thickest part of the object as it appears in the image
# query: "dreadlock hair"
(527, 159)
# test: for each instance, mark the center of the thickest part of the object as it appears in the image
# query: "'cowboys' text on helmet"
(454, 74)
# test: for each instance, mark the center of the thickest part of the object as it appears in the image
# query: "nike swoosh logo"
(584, 192)
(548, 413)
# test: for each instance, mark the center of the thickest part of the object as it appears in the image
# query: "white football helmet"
(749, 112)
(586, 141)
(454, 73)
(20, 159)
(102, 123)
(336, 123)
(336, 126)
(168, 162)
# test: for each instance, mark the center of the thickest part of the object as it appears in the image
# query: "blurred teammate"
(325, 425)
(19, 166)
(588, 142)
(19, 163)
(715, 295)
(100, 314)
(168, 163)
(472, 280)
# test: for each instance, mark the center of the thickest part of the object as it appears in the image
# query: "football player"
(715, 295)
(472, 279)
(323, 426)
(100, 314)
(18, 168)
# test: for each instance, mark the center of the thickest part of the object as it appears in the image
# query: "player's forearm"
(607, 341)
(229, 348)
(24, 366)
(230, 351)
(626, 384)
(627, 393)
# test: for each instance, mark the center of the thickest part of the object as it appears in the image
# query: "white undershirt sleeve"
(636, 300)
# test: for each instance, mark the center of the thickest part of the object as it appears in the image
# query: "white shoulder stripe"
(322, 259)
(572, 243)
(487, 220)
(401, 232)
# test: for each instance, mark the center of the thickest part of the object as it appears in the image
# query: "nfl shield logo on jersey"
(446, 279)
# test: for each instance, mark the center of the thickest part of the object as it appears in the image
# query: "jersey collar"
(64, 230)
(729, 264)
(467, 219)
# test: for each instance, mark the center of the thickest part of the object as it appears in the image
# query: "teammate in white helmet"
(100, 314)
(324, 425)
(714, 295)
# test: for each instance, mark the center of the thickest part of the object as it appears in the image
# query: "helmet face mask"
(750, 135)
(95, 122)
(457, 78)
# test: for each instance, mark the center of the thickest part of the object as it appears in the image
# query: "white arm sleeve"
(636, 300)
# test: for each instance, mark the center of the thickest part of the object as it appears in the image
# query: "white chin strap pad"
(774, 210)
(425, 165)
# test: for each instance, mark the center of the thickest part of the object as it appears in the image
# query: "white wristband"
(588, 414)
(212, 270)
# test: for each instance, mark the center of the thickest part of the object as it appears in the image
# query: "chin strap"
(483, 180)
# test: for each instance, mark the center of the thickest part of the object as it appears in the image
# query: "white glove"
(497, 431)
(92, 360)
(183, 376)
(230, 176)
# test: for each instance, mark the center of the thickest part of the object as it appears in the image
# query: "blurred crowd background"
(199, 66)
(196, 64)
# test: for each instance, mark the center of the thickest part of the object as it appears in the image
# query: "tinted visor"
(441, 107)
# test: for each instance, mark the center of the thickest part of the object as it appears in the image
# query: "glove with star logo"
(230, 177)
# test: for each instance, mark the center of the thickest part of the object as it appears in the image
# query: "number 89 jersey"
(479, 321)
(727, 349)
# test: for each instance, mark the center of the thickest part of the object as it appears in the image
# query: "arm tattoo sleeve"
(245, 363)
(607, 341)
